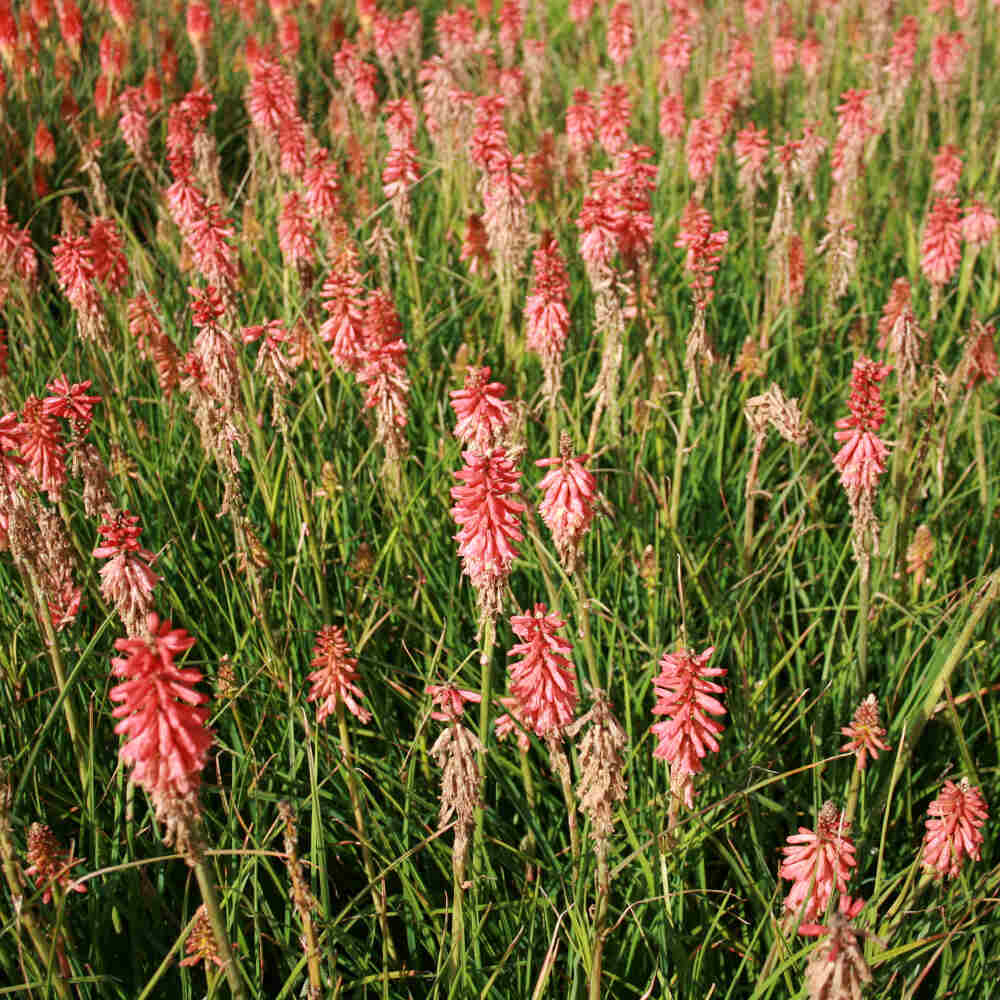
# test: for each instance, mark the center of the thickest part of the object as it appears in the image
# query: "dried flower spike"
(49, 864)
(837, 970)
(602, 767)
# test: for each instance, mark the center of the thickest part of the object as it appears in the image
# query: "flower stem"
(583, 617)
(377, 887)
(864, 596)
(457, 951)
(417, 311)
(600, 918)
(209, 896)
(59, 671)
(750, 494)
(977, 434)
(682, 433)
(852, 798)
(486, 691)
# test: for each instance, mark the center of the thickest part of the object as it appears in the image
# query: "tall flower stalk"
(167, 742)
(861, 463)
(704, 252)
(334, 686)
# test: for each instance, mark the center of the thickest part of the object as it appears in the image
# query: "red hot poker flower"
(126, 579)
(489, 523)
(450, 701)
(861, 459)
(542, 680)
(41, 445)
(866, 733)
(686, 696)
(335, 676)
(167, 740)
(567, 508)
(482, 412)
(953, 826)
(70, 401)
(49, 864)
(817, 863)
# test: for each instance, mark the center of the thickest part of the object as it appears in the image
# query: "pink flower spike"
(866, 733)
(335, 675)
(953, 826)
(482, 412)
(861, 459)
(567, 508)
(941, 249)
(489, 523)
(451, 701)
(685, 695)
(542, 680)
(167, 740)
(126, 579)
(817, 863)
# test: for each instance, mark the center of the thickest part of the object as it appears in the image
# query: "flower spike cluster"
(686, 696)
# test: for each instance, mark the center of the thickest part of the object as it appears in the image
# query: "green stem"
(600, 919)
(417, 312)
(377, 887)
(682, 433)
(59, 671)
(486, 692)
(864, 597)
(583, 617)
(852, 798)
(209, 895)
(977, 435)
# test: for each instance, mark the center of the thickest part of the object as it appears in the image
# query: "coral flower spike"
(489, 524)
(686, 696)
(817, 863)
(953, 825)
(541, 681)
(162, 719)
(335, 676)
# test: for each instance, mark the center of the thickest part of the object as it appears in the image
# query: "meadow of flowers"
(499, 500)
